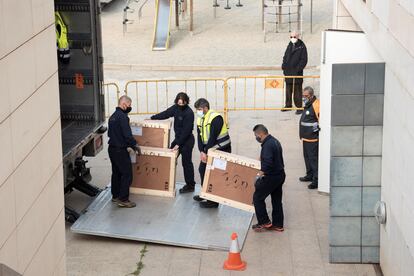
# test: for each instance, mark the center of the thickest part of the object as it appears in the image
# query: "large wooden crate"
(154, 172)
(152, 133)
(230, 179)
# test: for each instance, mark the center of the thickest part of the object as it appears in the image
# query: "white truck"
(81, 94)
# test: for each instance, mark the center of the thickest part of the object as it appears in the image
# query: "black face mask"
(127, 110)
(181, 107)
(258, 139)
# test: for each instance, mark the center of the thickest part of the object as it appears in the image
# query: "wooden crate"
(230, 179)
(154, 172)
(152, 133)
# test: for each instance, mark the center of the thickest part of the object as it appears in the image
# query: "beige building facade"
(32, 237)
(388, 26)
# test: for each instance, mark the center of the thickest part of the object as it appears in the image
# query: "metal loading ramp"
(162, 25)
(173, 221)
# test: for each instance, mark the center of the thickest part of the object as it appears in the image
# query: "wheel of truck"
(71, 215)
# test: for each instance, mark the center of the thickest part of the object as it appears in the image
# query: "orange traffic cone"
(234, 261)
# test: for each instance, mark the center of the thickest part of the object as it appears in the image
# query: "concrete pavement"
(301, 250)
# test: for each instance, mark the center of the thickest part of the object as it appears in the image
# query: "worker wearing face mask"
(121, 144)
(269, 182)
(294, 61)
(184, 138)
(309, 134)
(212, 132)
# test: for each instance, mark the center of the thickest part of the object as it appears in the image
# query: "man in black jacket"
(121, 143)
(212, 132)
(184, 138)
(270, 181)
(294, 61)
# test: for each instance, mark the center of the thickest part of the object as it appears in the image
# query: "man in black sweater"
(184, 138)
(121, 142)
(270, 181)
(294, 61)
(212, 132)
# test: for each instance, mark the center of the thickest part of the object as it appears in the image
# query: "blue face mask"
(305, 100)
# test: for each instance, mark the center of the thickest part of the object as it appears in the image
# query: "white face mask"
(200, 113)
(293, 40)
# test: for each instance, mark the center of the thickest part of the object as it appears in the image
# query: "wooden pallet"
(154, 172)
(229, 179)
(152, 133)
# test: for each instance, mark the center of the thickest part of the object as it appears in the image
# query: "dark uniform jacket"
(309, 121)
(295, 60)
(183, 123)
(119, 131)
(271, 157)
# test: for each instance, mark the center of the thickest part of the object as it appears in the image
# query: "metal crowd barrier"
(111, 94)
(153, 96)
(264, 92)
(242, 93)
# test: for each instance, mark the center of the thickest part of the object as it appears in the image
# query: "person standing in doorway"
(184, 139)
(212, 132)
(121, 144)
(269, 182)
(294, 61)
(309, 134)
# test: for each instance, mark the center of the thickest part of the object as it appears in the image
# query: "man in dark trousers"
(309, 134)
(184, 138)
(294, 61)
(121, 144)
(212, 132)
(270, 181)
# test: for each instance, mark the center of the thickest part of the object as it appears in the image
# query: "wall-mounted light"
(380, 212)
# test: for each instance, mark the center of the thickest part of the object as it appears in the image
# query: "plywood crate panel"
(154, 172)
(152, 133)
(230, 179)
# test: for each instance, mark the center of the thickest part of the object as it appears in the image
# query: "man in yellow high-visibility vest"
(62, 39)
(212, 132)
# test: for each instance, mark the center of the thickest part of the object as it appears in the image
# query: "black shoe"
(305, 179)
(284, 110)
(313, 186)
(298, 112)
(186, 189)
(198, 198)
(208, 204)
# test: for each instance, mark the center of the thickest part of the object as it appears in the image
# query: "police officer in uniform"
(212, 132)
(309, 134)
(121, 144)
(184, 138)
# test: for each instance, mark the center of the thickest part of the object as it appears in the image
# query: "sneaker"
(115, 200)
(186, 189)
(209, 204)
(298, 112)
(277, 228)
(198, 198)
(305, 178)
(313, 186)
(126, 204)
(262, 227)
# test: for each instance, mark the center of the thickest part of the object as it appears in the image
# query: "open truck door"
(79, 46)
